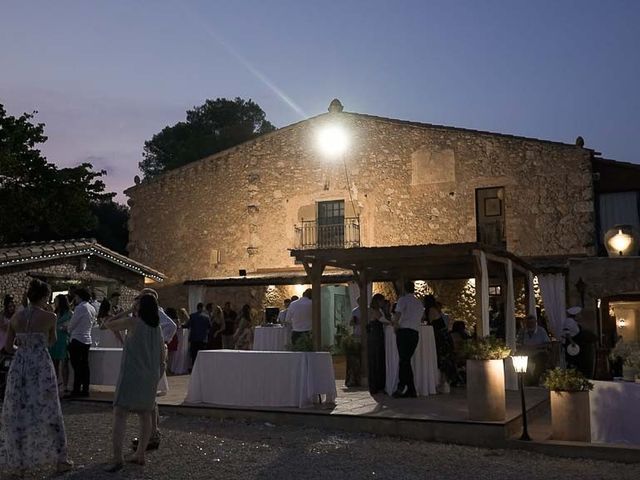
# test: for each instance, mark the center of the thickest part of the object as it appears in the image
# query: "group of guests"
(212, 327)
(32, 430)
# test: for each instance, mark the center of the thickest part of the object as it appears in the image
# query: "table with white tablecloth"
(104, 367)
(615, 412)
(105, 338)
(180, 360)
(261, 379)
(424, 361)
(271, 339)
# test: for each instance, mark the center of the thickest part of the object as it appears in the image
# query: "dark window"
(331, 224)
(490, 216)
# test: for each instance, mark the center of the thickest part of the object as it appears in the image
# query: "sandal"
(63, 467)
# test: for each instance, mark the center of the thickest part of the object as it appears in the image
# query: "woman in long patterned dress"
(32, 433)
(140, 372)
(444, 344)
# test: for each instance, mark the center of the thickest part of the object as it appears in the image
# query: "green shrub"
(346, 344)
(486, 348)
(302, 344)
(569, 380)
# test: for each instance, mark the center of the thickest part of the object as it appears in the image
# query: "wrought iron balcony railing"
(311, 234)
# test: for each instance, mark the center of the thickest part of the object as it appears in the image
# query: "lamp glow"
(333, 140)
(520, 363)
(620, 241)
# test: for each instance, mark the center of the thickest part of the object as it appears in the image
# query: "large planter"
(340, 366)
(570, 416)
(485, 390)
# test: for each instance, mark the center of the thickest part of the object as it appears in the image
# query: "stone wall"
(409, 185)
(60, 273)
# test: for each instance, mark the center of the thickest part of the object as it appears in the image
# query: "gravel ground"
(205, 448)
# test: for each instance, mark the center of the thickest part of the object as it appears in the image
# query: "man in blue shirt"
(198, 326)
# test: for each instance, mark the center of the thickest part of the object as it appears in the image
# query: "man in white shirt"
(299, 316)
(168, 328)
(533, 340)
(408, 316)
(79, 330)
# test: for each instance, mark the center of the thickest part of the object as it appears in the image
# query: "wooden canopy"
(420, 262)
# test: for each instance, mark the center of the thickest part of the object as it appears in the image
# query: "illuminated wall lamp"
(621, 241)
(621, 323)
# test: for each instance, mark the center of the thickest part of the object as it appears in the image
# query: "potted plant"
(629, 353)
(346, 357)
(570, 413)
(485, 378)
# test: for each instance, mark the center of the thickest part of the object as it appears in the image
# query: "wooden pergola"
(454, 261)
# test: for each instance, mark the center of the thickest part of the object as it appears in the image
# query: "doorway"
(490, 217)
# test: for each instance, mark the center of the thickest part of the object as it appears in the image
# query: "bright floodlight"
(332, 140)
(520, 363)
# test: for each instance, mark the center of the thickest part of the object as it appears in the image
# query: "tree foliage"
(210, 128)
(39, 201)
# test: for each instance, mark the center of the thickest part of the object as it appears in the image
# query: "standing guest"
(58, 350)
(104, 312)
(444, 344)
(243, 336)
(375, 345)
(94, 301)
(533, 340)
(9, 309)
(183, 317)
(198, 326)
(355, 318)
(299, 317)
(409, 312)
(80, 333)
(140, 372)
(229, 326)
(576, 334)
(216, 326)
(32, 432)
(167, 329)
(282, 314)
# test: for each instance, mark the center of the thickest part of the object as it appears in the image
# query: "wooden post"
(363, 303)
(482, 293)
(314, 271)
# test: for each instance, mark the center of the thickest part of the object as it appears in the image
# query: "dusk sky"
(106, 76)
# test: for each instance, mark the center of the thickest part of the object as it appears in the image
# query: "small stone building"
(397, 183)
(68, 263)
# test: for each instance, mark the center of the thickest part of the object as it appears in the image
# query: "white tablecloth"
(261, 379)
(181, 359)
(615, 412)
(104, 367)
(424, 362)
(105, 338)
(271, 339)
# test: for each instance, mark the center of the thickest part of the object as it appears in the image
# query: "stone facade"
(99, 274)
(409, 184)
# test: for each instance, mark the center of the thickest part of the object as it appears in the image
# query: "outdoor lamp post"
(520, 366)
(621, 240)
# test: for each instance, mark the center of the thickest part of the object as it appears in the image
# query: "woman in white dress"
(32, 433)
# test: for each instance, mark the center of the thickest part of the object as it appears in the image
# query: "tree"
(111, 230)
(38, 201)
(210, 128)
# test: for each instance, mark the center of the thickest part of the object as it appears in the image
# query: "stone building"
(397, 183)
(72, 263)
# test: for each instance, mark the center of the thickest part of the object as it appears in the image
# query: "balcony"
(311, 234)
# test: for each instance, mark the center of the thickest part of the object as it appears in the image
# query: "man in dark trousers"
(408, 316)
(198, 326)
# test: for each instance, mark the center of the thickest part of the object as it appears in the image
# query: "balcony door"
(490, 225)
(330, 220)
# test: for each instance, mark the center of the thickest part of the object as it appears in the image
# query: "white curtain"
(196, 296)
(531, 307)
(484, 293)
(552, 287)
(354, 293)
(618, 209)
